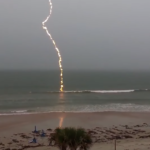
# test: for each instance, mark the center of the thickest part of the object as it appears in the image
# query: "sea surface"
(84, 91)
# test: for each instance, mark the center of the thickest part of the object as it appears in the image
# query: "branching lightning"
(54, 43)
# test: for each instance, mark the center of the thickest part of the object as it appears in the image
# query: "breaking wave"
(116, 107)
(104, 91)
(19, 111)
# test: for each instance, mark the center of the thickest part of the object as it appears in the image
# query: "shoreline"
(85, 119)
(73, 112)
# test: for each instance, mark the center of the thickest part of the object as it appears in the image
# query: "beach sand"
(130, 129)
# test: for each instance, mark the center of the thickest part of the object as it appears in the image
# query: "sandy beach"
(130, 129)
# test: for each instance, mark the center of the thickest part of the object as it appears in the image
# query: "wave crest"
(113, 91)
(117, 107)
(104, 91)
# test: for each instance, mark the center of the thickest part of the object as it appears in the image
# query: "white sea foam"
(85, 109)
(19, 111)
(113, 91)
(104, 91)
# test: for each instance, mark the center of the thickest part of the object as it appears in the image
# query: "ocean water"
(84, 91)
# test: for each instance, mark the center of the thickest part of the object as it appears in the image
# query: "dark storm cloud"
(107, 34)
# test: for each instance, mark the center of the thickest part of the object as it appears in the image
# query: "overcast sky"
(96, 34)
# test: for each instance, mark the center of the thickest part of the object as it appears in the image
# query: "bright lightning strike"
(56, 48)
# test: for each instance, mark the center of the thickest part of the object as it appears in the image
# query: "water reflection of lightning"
(56, 48)
(61, 122)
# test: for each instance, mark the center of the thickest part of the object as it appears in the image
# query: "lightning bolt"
(54, 43)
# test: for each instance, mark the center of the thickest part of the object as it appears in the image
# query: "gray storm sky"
(96, 34)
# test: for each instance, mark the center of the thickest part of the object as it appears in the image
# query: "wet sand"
(131, 129)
